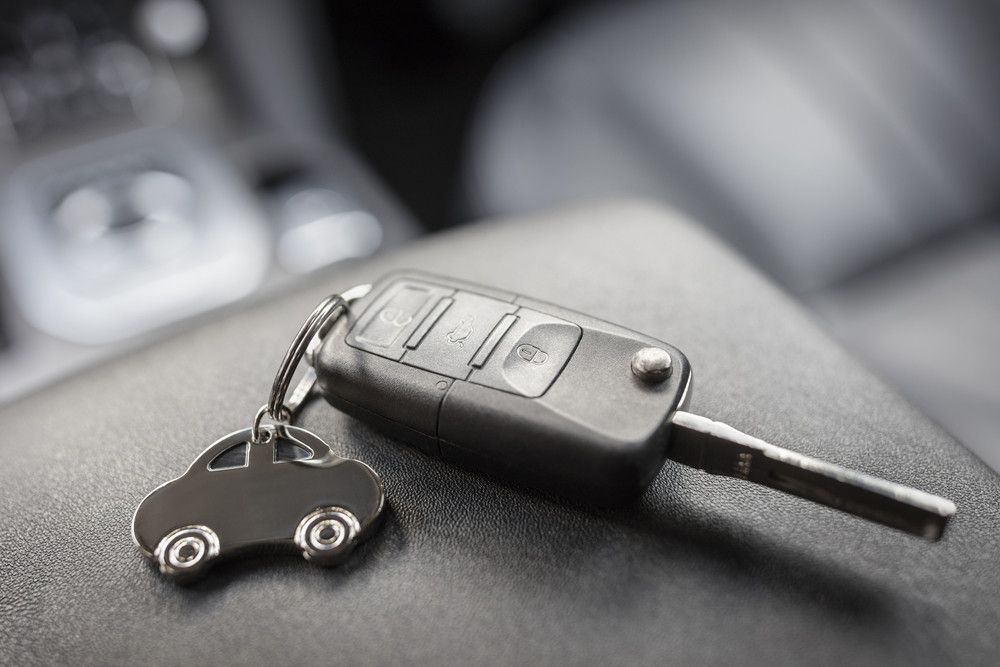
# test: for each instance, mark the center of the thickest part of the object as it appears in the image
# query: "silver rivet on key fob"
(652, 364)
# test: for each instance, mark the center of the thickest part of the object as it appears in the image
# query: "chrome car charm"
(270, 485)
(287, 489)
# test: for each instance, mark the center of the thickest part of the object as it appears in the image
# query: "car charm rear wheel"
(187, 552)
(327, 535)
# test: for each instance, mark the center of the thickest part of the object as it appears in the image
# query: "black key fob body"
(507, 385)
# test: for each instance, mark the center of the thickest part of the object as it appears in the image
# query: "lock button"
(530, 356)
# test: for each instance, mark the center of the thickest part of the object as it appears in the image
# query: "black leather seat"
(701, 570)
(851, 149)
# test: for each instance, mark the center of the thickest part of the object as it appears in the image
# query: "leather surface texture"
(700, 570)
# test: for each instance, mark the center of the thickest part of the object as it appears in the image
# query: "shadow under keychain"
(270, 485)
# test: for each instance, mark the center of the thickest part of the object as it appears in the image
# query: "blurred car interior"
(162, 159)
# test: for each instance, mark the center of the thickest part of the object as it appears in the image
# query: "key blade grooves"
(722, 450)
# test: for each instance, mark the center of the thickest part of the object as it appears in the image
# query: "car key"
(538, 394)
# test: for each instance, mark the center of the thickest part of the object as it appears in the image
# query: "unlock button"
(530, 356)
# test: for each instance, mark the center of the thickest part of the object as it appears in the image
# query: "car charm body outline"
(321, 503)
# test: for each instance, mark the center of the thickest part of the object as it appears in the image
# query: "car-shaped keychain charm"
(271, 485)
(287, 489)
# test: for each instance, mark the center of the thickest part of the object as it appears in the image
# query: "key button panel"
(467, 336)
(530, 356)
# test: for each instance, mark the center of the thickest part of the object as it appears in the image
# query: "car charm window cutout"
(234, 457)
(286, 450)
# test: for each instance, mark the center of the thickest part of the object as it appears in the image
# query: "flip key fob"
(539, 394)
(507, 385)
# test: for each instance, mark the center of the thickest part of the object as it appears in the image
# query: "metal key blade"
(722, 450)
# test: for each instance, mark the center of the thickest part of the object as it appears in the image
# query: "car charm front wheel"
(187, 552)
(327, 535)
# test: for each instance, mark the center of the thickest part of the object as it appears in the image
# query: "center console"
(161, 159)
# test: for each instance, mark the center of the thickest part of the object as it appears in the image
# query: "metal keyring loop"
(322, 315)
(255, 432)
